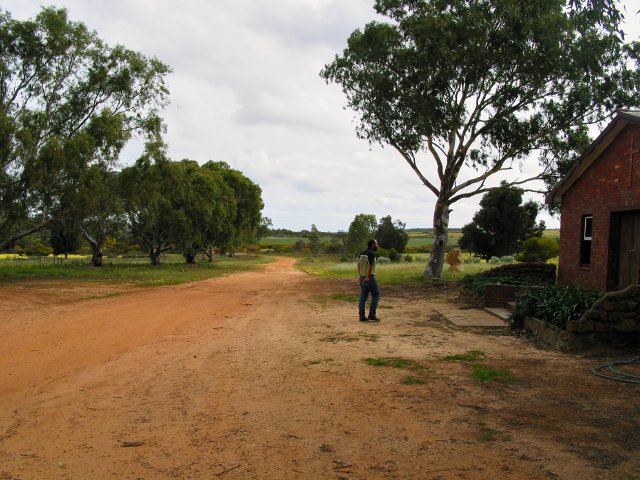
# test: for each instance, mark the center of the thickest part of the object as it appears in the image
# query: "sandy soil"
(261, 375)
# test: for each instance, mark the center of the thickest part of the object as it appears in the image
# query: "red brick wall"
(604, 188)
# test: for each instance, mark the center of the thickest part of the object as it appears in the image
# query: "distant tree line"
(69, 103)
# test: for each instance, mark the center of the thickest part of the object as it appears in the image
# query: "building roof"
(622, 119)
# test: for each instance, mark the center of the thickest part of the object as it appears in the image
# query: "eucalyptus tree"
(97, 207)
(480, 87)
(209, 205)
(246, 223)
(362, 229)
(148, 191)
(502, 223)
(68, 102)
(392, 234)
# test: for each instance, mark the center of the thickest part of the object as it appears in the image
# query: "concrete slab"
(502, 313)
(470, 318)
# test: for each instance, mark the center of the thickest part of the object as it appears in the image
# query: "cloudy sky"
(245, 89)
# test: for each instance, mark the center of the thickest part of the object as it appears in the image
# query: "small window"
(585, 241)
(586, 228)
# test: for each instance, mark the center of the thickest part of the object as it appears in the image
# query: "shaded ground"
(261, 375)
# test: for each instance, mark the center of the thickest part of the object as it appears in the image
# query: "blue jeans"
(366, 288)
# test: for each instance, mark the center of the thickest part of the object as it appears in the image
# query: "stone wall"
(616, 312)
(500, 295)
(612, 322)
(542, 273)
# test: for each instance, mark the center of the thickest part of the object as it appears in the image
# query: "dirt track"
(261, 375)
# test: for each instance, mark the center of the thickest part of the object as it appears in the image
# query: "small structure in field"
(600, 210)
(454, 260)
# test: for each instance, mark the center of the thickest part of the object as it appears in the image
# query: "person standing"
(368, 282)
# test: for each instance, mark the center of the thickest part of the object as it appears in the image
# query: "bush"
(408, 258)
(494, 260)
(553, 304)
(383, 260)
(506, 259)
(393, 255)
(476, 283)
(537, 249)
(472, 260)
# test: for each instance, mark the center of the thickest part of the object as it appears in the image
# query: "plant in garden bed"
(553, 304)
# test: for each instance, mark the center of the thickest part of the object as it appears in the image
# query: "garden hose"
(614, 374)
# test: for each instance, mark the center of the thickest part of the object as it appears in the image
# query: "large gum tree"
(69, 103)
(482, 86)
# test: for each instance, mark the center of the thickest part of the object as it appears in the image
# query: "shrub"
(537, 249)
(408, 258)
(506, 259)
(472, 260)
(476, 283)
(494, 260)
(383, 260)
(393, 255)
(553, 304)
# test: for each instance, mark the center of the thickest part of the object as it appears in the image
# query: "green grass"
(346, 297)
(106, 295)
(467, 357)
(137, 271)
(485, 374)
(411, 380)
(402, 273)
(394, 362)
(491, 434)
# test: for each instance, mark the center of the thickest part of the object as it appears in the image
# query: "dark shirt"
(371, 255)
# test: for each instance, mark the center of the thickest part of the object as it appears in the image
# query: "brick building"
(600, 210)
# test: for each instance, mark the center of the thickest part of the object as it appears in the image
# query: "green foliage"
(190, 207)
(64, 238)
(68, 103)
(408, 258)
(538, 250)
(392, 235)
(485, 85)
(314, 240)
(361, 230)
(501, 224)
(553, 304)
(476, 283)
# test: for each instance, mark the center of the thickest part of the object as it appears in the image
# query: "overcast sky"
(245, 89)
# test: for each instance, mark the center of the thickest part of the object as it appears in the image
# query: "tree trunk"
(96, 246)
(440, 237)
(154, 255)
(96, 255)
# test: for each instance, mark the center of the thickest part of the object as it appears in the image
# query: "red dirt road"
(261, 375)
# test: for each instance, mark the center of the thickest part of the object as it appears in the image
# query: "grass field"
(136, 271)
(401, 273)
(416, 239)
